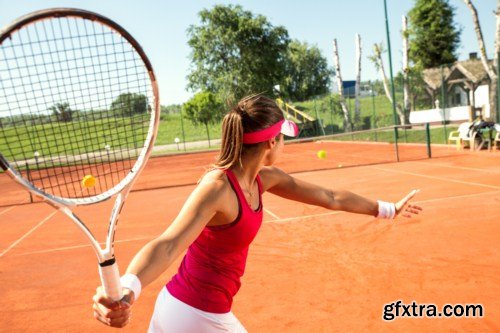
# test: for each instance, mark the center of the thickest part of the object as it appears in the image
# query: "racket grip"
(110, 279)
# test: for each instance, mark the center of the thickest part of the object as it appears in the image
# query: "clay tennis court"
(309, 269)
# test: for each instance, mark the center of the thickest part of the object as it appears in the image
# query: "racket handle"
(110, 279)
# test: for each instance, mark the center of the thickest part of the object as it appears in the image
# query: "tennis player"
(218, 222)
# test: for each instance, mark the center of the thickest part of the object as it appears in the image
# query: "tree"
(62, 111)
(340, 85)
(433, 35)
(234, 52)
(406, 68)
(488, 67)
(357, 110)
(171, 109)
(204, 108)
(307, 72)
(129, 104)
(376, 58)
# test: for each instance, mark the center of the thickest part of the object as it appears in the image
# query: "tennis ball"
(321, 154)
(88, 181)
(340, 165)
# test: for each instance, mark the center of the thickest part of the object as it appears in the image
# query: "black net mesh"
(75, 105)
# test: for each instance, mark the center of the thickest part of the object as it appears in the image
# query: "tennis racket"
(79, 113)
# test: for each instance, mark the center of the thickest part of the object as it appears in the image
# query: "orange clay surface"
(309, 269)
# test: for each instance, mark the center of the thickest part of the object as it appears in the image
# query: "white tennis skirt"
(173, 316)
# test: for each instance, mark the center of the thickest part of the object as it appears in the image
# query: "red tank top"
(209, 275)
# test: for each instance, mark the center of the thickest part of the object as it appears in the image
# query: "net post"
(428, 140)
(28, 175)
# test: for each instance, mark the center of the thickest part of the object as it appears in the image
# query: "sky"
(160, 27)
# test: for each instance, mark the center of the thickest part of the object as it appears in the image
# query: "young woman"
(219, 221)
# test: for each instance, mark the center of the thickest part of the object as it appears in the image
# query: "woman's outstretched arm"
(278, 182)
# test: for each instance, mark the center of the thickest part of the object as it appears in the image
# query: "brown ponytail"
(252, 113)
(232, 141)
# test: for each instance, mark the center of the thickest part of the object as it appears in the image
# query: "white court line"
(27, 234)
(456, 197)
(272, 214)
(289, 219)
(457, 167)
(6, 210)
(82, 246)
(303, 217)
(143, 238)
(438, 178)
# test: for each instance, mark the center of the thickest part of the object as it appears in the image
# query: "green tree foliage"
(171, 109)
(307, 72)
(129, 104)
(235, 53)
(62, 111)
(433, 34)
(204, 108)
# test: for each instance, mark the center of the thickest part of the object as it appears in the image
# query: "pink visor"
(286, 127)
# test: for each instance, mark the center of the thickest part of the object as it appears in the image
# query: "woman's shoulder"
(270, 175)
(215, 178)
(270, 171)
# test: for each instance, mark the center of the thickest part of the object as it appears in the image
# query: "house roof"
(433, 76)
(471, 70)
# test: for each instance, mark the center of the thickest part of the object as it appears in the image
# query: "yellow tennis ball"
(321, 154)
(340, 165)
(88, 181)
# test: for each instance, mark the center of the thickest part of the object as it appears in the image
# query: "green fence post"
(182, 129)
(498, 89)
(403, 104)
(331, 112)
(320, 131)
(208, 134)
(392, 83)
(374, 116)
(428, 141)
(443, 104)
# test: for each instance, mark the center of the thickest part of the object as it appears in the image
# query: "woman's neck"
(251, 164)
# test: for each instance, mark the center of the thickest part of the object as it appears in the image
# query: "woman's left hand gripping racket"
(79, 112)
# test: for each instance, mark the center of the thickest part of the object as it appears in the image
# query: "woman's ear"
(271, 143)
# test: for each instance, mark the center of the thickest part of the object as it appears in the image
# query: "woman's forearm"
(353, 203)
(152, 260)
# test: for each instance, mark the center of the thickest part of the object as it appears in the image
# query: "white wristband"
(132, 282)
(386, 210)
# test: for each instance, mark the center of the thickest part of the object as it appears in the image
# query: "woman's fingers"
(413, 209)
(406, 210)
(109, 313)
(114, 322)
(112, 313)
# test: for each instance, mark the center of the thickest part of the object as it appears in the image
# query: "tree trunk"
(357, 111)
(484, 59)
(406, 87)
(345, 109)
(494, 96)
(480, 40)
(497, 34)
(380, 66)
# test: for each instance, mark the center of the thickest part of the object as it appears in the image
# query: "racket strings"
(75, 100)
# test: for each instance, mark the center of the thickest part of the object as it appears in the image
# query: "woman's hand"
(403, 207)
(113, 313)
